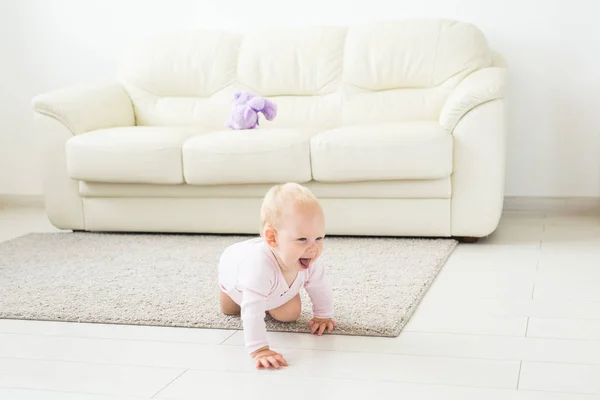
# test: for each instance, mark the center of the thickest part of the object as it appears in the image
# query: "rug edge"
(415, 305)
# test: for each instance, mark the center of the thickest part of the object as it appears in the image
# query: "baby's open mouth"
(305, 262)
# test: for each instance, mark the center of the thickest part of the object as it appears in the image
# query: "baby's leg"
(289, 312)
(228, 306)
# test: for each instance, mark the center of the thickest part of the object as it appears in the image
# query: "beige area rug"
(170, 280)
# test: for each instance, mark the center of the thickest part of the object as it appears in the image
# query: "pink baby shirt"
(250, 275)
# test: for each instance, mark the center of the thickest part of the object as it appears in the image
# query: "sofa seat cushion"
(393, 151)
(128, 155)
(248, 156)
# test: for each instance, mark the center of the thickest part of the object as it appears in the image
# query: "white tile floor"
(515, 316)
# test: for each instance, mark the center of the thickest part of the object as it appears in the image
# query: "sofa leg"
(467, 239)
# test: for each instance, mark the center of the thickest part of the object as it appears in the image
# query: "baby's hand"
(267, 358)
(320, 324)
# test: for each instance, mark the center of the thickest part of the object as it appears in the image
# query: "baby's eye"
(302, 239)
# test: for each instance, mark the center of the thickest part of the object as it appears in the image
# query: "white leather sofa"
(398, 127)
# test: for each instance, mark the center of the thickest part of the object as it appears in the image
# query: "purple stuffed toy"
(247, 105)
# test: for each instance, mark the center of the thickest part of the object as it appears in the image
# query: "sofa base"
(356, 217)
(467, 239)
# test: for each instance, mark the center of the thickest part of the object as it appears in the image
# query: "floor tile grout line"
(374, 380)
(506, 336)
(568, 318)
(95, 363)
(109, 395)
(349, 378)
(552, 392)
(287, 348)
(573, 339)
(519, 375)
(480, 335)
(517, 359)
(227, 338)
(64, 336)
(496, 335)
(168, 384)
(368, 380)
(504, 360)
(424, 332)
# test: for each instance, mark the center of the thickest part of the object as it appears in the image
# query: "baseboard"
(552, 205)
(18, 200)
(512, 204)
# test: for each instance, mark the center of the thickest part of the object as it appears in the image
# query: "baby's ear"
(271, 236)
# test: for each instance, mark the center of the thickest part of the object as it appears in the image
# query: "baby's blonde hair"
(280, 196)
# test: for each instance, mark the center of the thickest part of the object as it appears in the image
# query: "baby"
(265, 274)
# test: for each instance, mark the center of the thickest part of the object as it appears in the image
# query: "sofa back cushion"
(195, 64)
(320, 77)
(301, 62)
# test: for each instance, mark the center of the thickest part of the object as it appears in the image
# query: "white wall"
(552, 47)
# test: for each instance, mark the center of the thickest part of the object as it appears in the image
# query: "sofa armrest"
(86, 108)
(480, 87)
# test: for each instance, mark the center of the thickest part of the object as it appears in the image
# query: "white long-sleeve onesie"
(250, 275)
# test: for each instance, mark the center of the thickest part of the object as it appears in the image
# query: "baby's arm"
(256, 283)
(255, 333)
(253, 320)
(319, 290)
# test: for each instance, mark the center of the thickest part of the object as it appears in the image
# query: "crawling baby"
(265, 274)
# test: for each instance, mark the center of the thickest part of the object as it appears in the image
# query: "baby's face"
(300, 237)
